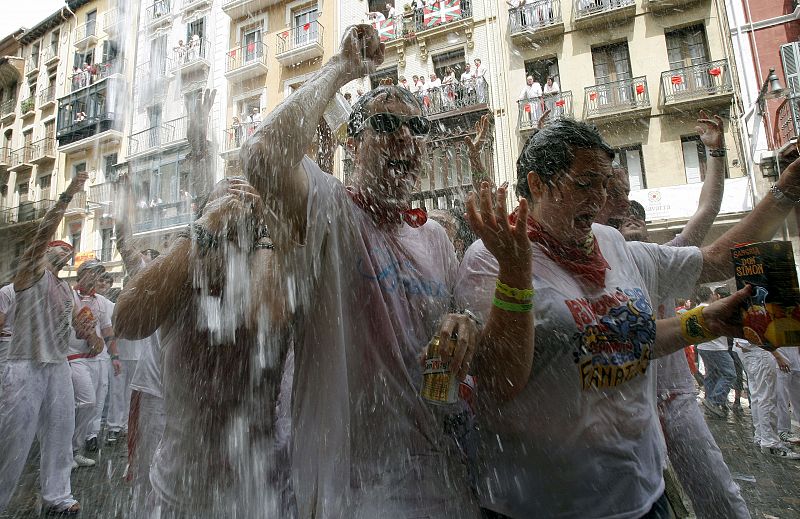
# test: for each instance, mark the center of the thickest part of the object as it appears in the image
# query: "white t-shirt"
(531, 91)
(718, 344)
(43, 334)
(577, 442)
(7, 307)
(147, 377)
(467, 76)
(552, 89)
(132, 350)
(102, 309)
(365, 444)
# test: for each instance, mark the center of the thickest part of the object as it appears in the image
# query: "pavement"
(770, 486)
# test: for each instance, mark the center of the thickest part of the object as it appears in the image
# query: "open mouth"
(584, 220)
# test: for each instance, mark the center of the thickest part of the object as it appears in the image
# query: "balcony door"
(91, 23)
(686, 48)
(251, 43)
(612, 67)
(305, 30)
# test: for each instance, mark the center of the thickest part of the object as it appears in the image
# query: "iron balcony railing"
(530, 110)
(194, 50)
(616, 96)
(8, 106)
(32, 63)
(102, 193)
(24, 212)
(158, 10)
(699, 80)
(21, 156)
(584, 8)
(787, 123)
(48, 95)
(443, 99)
(86, 30)
(161, 135)
(28, 104)
(105, 254)
(50, 53)
(235, 136)
(162, 216)
(111, 19)
(389, 29)
(300, 36)
(78, 202)
(82, 126)
(93, 73)
(534, 16)
(441, 13)
(238, 57)
(43, 148)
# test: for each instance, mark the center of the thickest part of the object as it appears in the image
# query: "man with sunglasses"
(372, 282)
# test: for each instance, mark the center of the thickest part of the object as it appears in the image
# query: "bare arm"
(31, 265)
(711, 134)
(272, 155)
(760, 224)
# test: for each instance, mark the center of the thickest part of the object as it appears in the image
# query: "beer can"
(439, 384)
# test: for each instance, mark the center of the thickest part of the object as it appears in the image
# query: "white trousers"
(789, 390)
(120, 401)
(36, 399)
(90, 381)
(698, 462)
(150, 429)
(762, 382)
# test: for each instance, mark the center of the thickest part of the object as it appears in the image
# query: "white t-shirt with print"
(102, 309)
(365, 444)
(582, 439)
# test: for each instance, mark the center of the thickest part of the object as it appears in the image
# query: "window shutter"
(790, 55)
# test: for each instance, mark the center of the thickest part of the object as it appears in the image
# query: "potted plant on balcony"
(27, 105)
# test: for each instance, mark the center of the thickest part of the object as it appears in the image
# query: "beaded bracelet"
(512, 307)
(693, 326)
(717, 153)
(524, 295)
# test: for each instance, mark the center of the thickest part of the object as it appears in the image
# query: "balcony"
(590, 13)
(192, 5)
(47, 97)
(104, 255)
(32, 66)
(51, 57)
(96, 73)
(86, 35)
(25, 212)
(244, 8)
(530, 110)
(77, 205)
(299, 44)
(390, 29)
(535, 21)
(666, 5)
(155, 138)
(102, 194)
(440, 102)
(159, 14)
(233, 137)
(787, 125)
(246, 62)
(112, 21)
(21, 159)
(441, 17)
(699, 86)
(192, 58)
(43, 151)
(162, 216)
(5, 157)
(627, 98)
(8, 110)
(28, 106)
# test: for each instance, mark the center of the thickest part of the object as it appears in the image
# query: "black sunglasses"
(389, 123)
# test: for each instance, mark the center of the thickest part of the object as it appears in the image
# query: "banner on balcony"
(716, 71)
(386, 29)
(442, 11)
(680, 202)
(80, 257)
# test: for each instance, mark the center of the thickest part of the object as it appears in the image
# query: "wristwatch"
(780, 196)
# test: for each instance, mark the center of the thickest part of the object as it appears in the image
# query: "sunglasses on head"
(389, 123)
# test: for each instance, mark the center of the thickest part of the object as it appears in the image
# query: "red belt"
(77, 356)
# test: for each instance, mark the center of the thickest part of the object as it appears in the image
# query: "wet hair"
(108, 276)
(361, 108)
(702, 294)
(722, 291)
(636, 210)
(550, 151)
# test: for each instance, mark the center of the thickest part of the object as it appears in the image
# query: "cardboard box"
(772, 316)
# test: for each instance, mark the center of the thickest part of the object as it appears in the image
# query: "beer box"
(772, 315)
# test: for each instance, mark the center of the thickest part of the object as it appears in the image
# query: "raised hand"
(233, 203)
(711, 131)
(362, 51)
(198, 108)
(543, 119)
(724, 317)
(474, 147)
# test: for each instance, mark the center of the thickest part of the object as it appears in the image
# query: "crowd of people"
(283, 339)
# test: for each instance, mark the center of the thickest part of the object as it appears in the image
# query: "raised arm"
(31, 265)
(711, 134)
(130, 256)
(760, 225)
(272, 155)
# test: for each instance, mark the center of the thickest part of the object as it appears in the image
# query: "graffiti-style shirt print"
(615, 336)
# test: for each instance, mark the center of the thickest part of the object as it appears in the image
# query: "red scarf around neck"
(413, 217)
(586, 263)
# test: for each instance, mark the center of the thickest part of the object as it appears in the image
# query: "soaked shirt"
(365, 444)
(7, 308)
(582, 439)
(102, 309)
(147, 377)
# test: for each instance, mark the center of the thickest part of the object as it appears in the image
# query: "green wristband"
(512, 307)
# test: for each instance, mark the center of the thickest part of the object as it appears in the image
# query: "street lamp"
(770, 89)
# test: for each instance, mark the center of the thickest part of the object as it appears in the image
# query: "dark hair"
(702, 294)
(550, 151)
(107, 275)
(636, 210)
(359, 112)
(722, 291)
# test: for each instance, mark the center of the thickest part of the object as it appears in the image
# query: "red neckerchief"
(90, 293)
(413, 217)
(586, 263)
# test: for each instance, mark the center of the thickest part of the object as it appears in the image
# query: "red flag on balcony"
(307, 26)
(251, 47)
(592, 96)
(232, 53)
(716, 71)
(560, 102)
(676, 80)
(385, 28)
(527, 108)
(285, 34)
(640, 89)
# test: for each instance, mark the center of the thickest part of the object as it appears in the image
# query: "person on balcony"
(480, 80)
(180, 51)
(551, 91)
(194, 47)
(390, 12)
(236, 126)
(531, 99)
(449, 83)
(467, 83)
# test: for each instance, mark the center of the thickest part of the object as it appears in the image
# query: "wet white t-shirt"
(718, 344)
(147, 377)
(102, 309)
(7, 308)
(365, 444)
(582, 439)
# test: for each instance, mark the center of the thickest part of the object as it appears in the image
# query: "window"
(45, 182)
(91, 22)
(27, 138)
(611, 63)
(49, 129)
(78, 168)
(379, 6)
(54, 36)
(22, 191)
(35, 54)
(110, 51)
(251, 42)
(541, 69)
(106, 236)
(630, 158)
(687, 46)
(158, 55)
(197, 27)
(75, 240)
(108, 166)
(82, 58)
(303, 21)
(790, 57)
(454, 59)
(694, 159)
(379, 75)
